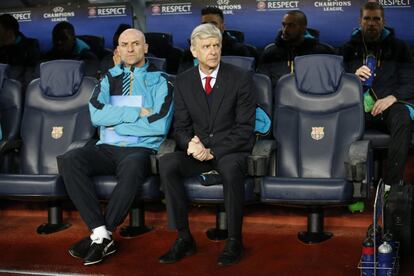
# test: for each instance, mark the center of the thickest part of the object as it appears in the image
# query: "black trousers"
(176, 166)
(397, 122)
(130, 165)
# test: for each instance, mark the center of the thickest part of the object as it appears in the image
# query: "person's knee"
(168, 163)
(228, 167)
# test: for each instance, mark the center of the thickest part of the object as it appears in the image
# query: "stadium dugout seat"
(321, 160)
(96, 44)
(213, 195)
(247, 63)
(55, 115)
(238, 35)
(161, 46)
(10, 118)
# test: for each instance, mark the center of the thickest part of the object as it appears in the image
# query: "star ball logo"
(223, 2)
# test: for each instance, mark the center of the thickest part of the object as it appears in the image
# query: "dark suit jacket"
(227, 126)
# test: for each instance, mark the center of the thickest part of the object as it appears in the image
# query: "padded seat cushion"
(213, 194)
(378, 138)
(306, 190)
(104, 186)
(31, 185)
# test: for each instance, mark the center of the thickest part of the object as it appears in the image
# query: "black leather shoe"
(179, 250)
(81, 248)
(232, 252)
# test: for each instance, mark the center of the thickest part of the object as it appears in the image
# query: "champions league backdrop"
(100, 20)
(261, 20)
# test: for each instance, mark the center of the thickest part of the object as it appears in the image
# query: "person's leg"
(76, 168)
(132, 170)
(174, 167)
(233, 168)
(398, 122)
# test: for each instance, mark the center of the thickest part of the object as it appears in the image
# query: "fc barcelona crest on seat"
(317, 133)
(57, 132)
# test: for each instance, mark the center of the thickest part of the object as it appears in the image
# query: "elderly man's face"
(208, 52)
(292, 30)
(371, 23)
(132, 48)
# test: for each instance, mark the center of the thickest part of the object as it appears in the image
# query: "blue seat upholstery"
(246, 63)
(10, 117)
(197, 193)
(55, 115)
(318, 117)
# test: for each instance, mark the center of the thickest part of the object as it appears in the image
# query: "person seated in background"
(292, 40)
(132, 106)
(67, 46)
(211, 137)
(20, 52)
(388, 101)
(230, 45)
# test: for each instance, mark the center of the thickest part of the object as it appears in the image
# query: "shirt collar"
(213, 74)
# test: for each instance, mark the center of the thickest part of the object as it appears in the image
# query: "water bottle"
(371, 63)
(385, 260)
(388, 237)
(368, 257)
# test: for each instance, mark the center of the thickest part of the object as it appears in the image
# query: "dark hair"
(372, 6)
(64, 25)
(122, 27)
(212, 10)
(9, 22)
(300, 16)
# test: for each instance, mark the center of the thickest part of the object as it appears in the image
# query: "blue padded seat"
(319, 117)
(104, 186)
(247, 63)
(56, 114)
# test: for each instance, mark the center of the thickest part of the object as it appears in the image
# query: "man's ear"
(145, 48)
(193, 51)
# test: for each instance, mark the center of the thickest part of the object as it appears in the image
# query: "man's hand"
(363, 73)
(382, 104)
(195, 147)
(116, 57)
(145, 112)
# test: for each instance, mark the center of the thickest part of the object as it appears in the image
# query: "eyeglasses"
(375, 19)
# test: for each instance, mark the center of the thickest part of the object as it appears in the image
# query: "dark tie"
(207, 86)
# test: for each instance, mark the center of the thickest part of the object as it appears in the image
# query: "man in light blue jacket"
(132, 106)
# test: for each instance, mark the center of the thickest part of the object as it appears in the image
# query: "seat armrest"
(258, 161)
(357, 167)
(9, 145)
(80, 143)
(167, 146)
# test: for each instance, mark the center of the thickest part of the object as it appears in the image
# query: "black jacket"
(230, 47)
(227, 126)
(277, 60)
(394, 74)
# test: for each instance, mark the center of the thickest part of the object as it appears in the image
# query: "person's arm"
(105, 114)
(243, 128)
(183, 124)
(157, 123)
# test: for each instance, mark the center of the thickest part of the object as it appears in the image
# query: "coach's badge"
(57, 132)
(317, 133)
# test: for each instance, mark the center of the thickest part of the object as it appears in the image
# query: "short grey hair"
(204, 31)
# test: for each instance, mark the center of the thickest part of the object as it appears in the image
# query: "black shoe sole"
(100, 260)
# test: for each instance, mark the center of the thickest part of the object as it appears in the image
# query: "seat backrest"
(264, 97)
(318, 114)
(159, 63)
(159, 43)
(55, 114)
(10, 104)
(246, 63)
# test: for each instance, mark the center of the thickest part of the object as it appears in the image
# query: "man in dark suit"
(213, 126)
